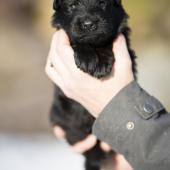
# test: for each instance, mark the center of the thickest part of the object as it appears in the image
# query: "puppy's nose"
(88, 25)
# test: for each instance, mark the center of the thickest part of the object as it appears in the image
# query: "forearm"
(136, 125)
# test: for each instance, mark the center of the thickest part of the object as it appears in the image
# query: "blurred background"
(26, 138)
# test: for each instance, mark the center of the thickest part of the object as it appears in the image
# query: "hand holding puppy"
(80, 86)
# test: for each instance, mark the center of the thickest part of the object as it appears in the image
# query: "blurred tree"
(17, 10)
(149, 19)
(160, 23)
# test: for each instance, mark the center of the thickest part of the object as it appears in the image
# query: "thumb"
(120, 49)
(122, 57)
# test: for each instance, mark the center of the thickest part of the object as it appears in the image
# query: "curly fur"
(92, 26)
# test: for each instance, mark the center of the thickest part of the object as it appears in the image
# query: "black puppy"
(92, 26)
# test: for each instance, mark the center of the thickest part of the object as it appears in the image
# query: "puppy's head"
(89, 21)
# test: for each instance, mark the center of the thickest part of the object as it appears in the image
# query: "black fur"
(92, 26)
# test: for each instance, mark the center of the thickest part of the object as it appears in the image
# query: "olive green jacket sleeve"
(136, 125)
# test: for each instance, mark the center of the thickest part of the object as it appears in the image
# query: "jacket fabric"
(136, 125)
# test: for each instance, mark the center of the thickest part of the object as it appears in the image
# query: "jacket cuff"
(125, 116)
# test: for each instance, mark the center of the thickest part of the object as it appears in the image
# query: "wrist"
(99, 105)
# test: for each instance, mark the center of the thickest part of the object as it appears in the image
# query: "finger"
(123, 63)
(85, 145)
(54, 58)
(63, 38)
(55, 39)
(60, 37)
(121, 163)
(120, 49)
(105, 147)
(59, 132)
(53, 74)
(60, 43)
(64, 48)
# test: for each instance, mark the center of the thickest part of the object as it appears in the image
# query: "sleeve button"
(130, 125)
(148, 109)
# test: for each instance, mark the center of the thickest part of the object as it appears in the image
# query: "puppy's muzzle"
(88, 25)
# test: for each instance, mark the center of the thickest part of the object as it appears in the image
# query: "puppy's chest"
(96, 61)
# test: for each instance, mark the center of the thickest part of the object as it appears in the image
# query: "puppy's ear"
(56, 4)
(118, 2)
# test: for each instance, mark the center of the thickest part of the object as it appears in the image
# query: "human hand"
(94, 94)
(118, 161)
(83, 145)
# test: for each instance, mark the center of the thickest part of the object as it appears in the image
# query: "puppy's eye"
(102, 3)
(72, 6)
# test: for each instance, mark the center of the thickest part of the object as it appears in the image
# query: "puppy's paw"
(106, 60)
(97, 62)
(103, 69)
(86, 59)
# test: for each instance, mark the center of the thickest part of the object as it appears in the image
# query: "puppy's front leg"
(106, 60)
(86, 58)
